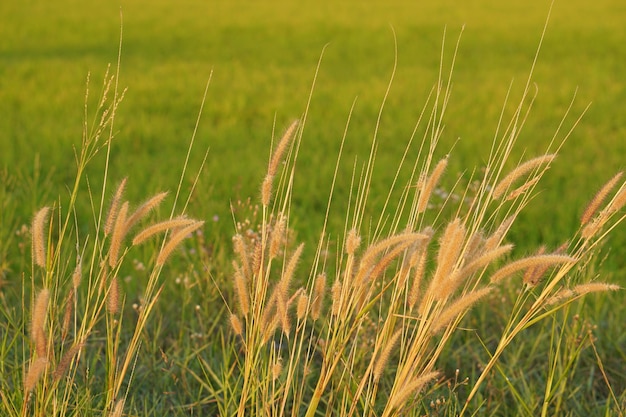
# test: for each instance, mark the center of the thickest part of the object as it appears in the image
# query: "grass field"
(261, 59)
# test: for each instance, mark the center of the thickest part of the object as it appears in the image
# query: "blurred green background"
(263, 56)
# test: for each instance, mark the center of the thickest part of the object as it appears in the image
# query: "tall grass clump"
(361, 330)
(73, 346)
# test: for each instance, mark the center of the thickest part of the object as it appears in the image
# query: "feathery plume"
(66, 361)
(529, 262)
(412, 388)
(303, 303)
(485, 259)
(618, 201)
(39, 237)
(118, 409)
(382, 360)
(277, 237)
(119, 232)
(277, 369)
(280, 149)
(418, 276)
(450, 246)
(458, 308)
(38, 334)
(257, 256)
(67, 314)
(458, 276)
(597, 200)
(266, 188)
(590, 287)
(144, 209)
(35, 370)
(580, 290)
(533, 275)
(319, 289)
(382, 264)
(336, 297)
(353, 241)
(376, 249)
(523, 188)
(114, 208)
(175, 240)
(494, 240)
(77, 275)
(235, 323)
(241, 289)
(285, 279)
(520, 171)
(430, 184)
(154, 229)
(113, 297)
(239, 246)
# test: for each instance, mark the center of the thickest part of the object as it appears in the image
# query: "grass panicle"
(596, 201)
(519, 172)
(39, 237)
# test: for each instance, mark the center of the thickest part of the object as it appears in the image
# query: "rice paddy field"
(333, 66)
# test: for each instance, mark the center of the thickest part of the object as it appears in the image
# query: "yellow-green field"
(261, 61)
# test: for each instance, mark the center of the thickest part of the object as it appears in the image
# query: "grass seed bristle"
(113, 297)
(38, 334)
(383, 358)
(175, 240)
(236, 325)
(530, 262)
(458, 308)
(429, 185)
(597, 200)
(39, 237)
(154, 229)
(241, 289)
(66, 361)
(114, 208)
(35, 371)
(319, 290)
(410, 389)
(301, 307)
(520, 171)
(144, 209)
(119, 233)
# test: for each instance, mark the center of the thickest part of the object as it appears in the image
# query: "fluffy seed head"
(520, 171)
(38, 334)
(429, 185)
(114, 208)
(119, 232)
(319, 289)
(154, 229)
(144, 209)
(241, 289)
(77, 275)
(235, 323)
(35, 370)
(353, 241)
(113, 297)
(303, 303)
(412, 388)
(66, 361)
(336, 297)
(39, 237)
(458, 308)
(382, 360)
(597, 200)
(530, 262)
(175, 240)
